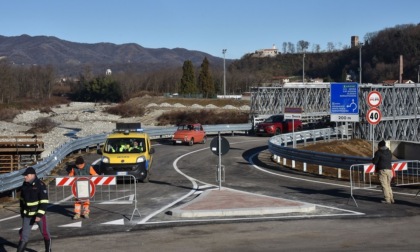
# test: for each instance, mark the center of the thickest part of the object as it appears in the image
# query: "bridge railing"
(277, 145)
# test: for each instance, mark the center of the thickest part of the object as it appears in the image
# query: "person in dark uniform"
(33, 207)
(382, 161)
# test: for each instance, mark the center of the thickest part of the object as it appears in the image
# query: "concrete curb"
(228, 202)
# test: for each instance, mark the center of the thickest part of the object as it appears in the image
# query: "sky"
(239, 26)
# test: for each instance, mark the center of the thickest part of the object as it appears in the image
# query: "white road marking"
(74, 224)
(115, 222)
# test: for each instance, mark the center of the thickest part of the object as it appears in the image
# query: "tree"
(302, 45)
(330, 46)
(100, 89)
(205, 80)
(316, 48)
(284, 47)
(187, 85)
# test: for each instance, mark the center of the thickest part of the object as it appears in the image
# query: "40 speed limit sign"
(373, 116)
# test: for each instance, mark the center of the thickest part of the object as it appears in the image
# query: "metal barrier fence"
(362, 176)
(97, 189)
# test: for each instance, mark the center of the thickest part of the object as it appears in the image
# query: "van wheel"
(191, 142)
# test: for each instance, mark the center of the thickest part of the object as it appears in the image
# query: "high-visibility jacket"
(33, 199)
(85, 171)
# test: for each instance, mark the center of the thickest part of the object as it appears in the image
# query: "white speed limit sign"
(373, 116)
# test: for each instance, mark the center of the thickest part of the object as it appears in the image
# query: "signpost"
(293, 113)
(374, 115)
(374, 99)
(344, 102)
(219, 146)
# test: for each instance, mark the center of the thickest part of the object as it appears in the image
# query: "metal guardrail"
(13, 180)
(277, 145)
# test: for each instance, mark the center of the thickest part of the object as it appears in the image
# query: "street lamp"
(303, 69)
(224, 72)
(360, 62)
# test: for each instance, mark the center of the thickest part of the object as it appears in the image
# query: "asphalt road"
(180, 173)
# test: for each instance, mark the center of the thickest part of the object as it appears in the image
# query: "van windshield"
(125, 145)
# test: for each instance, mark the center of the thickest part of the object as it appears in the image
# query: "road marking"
(74, 224)
(113, 202)
(115, 222)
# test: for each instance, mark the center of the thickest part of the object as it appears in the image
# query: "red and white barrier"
(97, 180)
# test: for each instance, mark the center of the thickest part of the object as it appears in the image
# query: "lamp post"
(418, 74)
(360, 62)
(303, 68)
(224, 72)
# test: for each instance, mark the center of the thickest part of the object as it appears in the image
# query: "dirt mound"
(352, 147)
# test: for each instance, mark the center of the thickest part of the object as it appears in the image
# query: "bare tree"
(284, 47)
(302, 45)
(330, 46)
(316, 48)
(290, 47)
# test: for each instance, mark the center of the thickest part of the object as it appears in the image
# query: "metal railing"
(277, 145)
(13, 180)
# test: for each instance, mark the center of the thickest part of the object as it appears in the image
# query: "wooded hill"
(380, 60)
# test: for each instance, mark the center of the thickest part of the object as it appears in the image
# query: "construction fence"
(405, 173)
(120, 189)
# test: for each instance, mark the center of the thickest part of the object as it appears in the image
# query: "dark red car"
(276, 124)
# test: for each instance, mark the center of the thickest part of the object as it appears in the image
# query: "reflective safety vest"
(85, 171)
(33, 199)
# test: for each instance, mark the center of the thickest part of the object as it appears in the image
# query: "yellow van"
(127, 151)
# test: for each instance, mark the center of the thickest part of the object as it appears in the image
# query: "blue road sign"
(344, 102)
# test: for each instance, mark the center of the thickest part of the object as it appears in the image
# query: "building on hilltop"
(393, 82)
(272, 52)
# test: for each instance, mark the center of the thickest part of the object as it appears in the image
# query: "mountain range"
(71, 58)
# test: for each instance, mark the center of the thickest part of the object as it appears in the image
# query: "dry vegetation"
(175, 115)
(202, 116)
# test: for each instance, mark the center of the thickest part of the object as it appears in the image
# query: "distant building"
(266, 52)
(280, 80)
(393, 82)
(317, 80)
(354, 41)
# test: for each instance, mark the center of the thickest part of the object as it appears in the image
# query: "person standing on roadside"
(33, 207)
(81, 169)
(382, 161)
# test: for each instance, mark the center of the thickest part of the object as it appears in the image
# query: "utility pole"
(360, 62)
(303, 68)
(224, 72)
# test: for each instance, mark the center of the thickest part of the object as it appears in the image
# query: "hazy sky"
(240, 26)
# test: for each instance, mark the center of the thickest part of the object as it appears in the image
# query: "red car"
(189, 134)
(276, 124)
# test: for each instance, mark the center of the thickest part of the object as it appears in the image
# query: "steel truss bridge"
(399, 108)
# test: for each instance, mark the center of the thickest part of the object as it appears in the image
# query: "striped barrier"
(101, 180)
(362, 176)
(111, 190)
